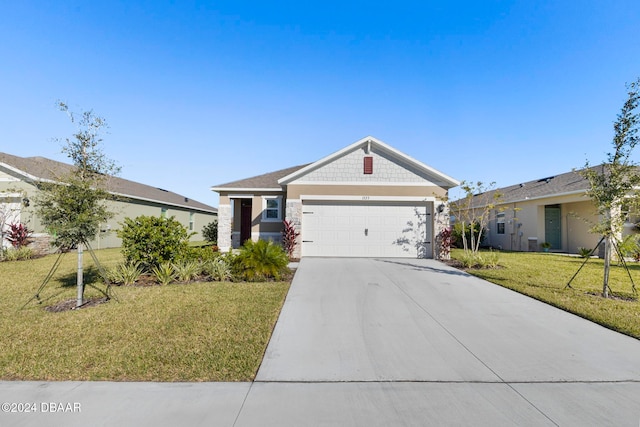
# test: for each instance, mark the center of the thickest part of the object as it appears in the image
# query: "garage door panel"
(361, 229)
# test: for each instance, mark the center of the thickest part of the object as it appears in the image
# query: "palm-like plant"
(262, 260)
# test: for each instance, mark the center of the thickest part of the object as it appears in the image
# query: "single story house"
(366, 200)
(20, 176)
(553, 209)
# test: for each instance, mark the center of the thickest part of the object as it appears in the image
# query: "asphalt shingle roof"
(42, 168)
(566, 183)
(268, 180)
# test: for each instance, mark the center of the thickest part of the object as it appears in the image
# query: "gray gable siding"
(349, 168)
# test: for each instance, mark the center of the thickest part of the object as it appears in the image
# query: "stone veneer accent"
(442, 221)
(40, 244)
(293, 213)
(224, 227)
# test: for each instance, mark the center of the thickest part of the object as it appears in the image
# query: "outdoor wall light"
(441, 208)
(26, 202)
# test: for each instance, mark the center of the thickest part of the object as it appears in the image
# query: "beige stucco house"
(366, 200)
(19, 178)
(553, 209)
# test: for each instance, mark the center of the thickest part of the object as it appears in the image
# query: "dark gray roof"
(565, 183)
(41, 168)
(267, 180)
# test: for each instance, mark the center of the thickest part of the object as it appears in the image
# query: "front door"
(552, 226)
(245, 220)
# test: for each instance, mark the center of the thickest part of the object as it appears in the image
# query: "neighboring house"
(366, 200)
(553, 209)
(19, 178)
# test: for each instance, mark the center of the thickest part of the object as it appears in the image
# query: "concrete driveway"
(446, 347)
(369, 342)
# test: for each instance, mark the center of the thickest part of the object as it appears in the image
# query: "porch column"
(224, 228)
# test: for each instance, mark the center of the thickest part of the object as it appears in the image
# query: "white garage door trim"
(419, 200)
(367, 228)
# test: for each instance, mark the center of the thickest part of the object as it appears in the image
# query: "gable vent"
(368, 165)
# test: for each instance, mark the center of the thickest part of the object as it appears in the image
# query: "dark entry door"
(245, 220)
(552, 226)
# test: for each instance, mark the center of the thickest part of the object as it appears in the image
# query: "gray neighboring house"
(366, 200)
(19, 177)
(553, 209)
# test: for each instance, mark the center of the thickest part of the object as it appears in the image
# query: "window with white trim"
(271, 208)
(192, 221)
(500, 223)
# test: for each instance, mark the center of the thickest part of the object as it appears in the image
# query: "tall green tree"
(615, 182)
(74, 204)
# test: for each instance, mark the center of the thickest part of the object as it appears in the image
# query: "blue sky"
(199, 93)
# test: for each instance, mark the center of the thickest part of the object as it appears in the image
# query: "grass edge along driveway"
(544, 276)
(206, 331)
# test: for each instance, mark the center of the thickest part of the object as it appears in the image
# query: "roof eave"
(529, 199)
(26, 175)
(35, 179)
(245, 189)
(144, 199)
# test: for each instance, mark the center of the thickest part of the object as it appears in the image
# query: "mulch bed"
(70, 304)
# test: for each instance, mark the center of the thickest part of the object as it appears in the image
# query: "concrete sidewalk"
(385, 342)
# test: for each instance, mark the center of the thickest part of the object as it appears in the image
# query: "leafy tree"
(73, 206)
(615, 181)
(152, 241)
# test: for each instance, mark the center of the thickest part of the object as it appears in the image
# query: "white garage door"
(366, 229)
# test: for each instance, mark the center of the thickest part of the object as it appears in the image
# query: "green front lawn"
(180, 332)
(544, 276)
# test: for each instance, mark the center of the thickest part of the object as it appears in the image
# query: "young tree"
(473, 212)
(73, 206)
(616, 181)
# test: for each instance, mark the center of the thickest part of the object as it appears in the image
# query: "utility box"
(533, 244)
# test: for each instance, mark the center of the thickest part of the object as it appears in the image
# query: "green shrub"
(584, 252)
(261, 260)
(470, 259)
(210, 232)
(151, 241)
(204, 253)
(19, 254)
(490, 259)
(164, 273)
(125, 273)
